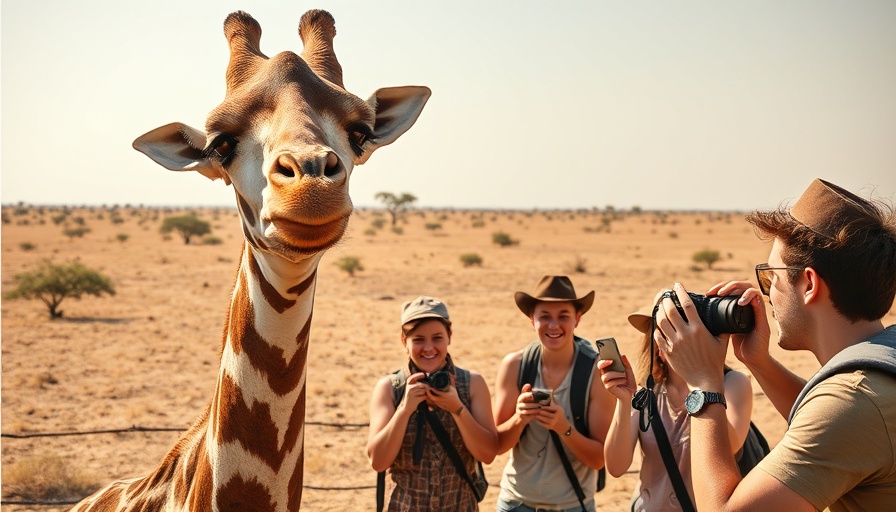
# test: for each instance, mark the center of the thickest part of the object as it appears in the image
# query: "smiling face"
(427, 345)
(555, 322)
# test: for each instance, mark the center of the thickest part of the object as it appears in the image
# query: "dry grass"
(149, 355)
(47, 478)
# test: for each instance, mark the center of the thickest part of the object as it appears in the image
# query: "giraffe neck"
(256, 429)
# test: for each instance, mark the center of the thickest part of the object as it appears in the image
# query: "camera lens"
(724, 315)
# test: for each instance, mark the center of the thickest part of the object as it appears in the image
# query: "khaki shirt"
(840, 450)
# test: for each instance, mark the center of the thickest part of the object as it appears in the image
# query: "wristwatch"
(697, 399)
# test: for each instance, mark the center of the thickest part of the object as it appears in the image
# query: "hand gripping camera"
(439, 380)
(719, 314)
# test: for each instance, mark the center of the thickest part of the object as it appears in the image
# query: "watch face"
(694, 402)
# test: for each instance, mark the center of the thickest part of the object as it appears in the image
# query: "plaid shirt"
(433, 484)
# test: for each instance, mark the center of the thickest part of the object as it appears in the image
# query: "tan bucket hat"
(825, 208)
(553, 289)
(641, 318)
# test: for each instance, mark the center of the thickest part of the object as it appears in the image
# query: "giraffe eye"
(359, 135)
(221, 147)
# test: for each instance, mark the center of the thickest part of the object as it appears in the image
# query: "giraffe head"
(287, 137)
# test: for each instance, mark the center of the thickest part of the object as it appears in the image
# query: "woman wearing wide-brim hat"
(655, 491)
(534, 477)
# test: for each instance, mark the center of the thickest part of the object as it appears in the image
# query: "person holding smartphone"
(534, 477)
(655, 491)
(409, 405)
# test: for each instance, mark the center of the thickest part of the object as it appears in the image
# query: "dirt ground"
(149, 355)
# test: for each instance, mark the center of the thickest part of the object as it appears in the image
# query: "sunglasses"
(764, 275)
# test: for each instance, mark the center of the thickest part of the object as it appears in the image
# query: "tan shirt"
(840, 450)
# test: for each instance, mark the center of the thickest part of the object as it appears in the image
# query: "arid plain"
(148, 356)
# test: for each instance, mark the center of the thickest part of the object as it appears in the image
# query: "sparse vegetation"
(579, 265)
(503, 239)
(52, 283)
(471, 259)
(212, 240)
(433, 226)
(396, 205)
(188, 226)
(706, 256)
(27, 246)
(122, 237)
(46, 478)
(73, 233)
(350, 265)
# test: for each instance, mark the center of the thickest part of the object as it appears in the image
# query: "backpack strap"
(580, 389)
(876, 353)
(665, 447)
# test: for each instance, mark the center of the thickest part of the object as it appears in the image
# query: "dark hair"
(409, 327)
(858, 264)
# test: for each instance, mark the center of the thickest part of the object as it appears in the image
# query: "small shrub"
(398, 230)
(122, 237)
(47, 478)
(350, 265)
(72, 233)
(433, 226)
(706, 256)
(370, 232)
(27, 246)
(478, 223)
(578, 265)
(470, 259)
(212, 240)
(378, 222)
(503, 239)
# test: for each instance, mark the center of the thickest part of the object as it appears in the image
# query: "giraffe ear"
(178, 147)
(397, 108)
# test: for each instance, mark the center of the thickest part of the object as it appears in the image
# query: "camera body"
(439, 380)
(719, 314)
(542, 396)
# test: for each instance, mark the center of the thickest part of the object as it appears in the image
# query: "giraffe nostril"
(332, 167)
(285, 171)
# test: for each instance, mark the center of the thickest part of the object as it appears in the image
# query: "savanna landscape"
(147, 356)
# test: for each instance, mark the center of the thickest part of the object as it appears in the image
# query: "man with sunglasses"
(830, 278)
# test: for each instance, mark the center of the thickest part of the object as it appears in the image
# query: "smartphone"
(542, 396)
(609, 350)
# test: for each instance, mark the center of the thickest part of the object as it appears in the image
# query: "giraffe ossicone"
(286, 137)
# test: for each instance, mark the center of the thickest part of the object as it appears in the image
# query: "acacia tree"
(52, 283)
(187, 225)
(707, 256)
(396, 205)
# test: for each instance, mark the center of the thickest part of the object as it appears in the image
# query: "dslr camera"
(439, 380)
(542, 396)
(719, 314)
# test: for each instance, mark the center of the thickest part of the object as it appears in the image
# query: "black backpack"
(578, 393)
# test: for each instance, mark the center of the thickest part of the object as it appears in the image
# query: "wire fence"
(137, 428)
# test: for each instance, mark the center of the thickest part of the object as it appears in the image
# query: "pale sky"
(731, 105)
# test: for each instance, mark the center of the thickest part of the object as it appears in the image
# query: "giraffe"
(287, 137)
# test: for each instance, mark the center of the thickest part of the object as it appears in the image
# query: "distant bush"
(579, 265)
(27, 246)
(706, 256)
(188, 226)
(503, 239)
(46, 478)
(350, 265)
(478, 223)
(471, 259)
(433, 226)
(51, 283)
(370, 232)
(378, 222)
(75, 232)
(121, 237)
(212, 240)
(397, 230)
(59, 219)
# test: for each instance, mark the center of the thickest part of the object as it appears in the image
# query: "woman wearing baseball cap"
(429, 469)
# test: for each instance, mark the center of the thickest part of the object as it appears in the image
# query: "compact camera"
(439, 380)
(719, 314)
(542, 396)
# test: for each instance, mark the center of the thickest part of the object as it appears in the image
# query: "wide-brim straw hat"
(553, 289)
(641, 319)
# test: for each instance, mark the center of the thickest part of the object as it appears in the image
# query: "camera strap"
(665, 447)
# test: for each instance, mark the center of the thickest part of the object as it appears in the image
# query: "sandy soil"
(149, 355)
